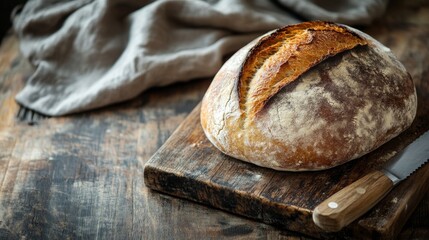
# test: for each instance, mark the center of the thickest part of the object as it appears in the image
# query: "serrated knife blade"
(356, 199)
(408, 160)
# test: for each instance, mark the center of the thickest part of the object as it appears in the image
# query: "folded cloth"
(91, 53)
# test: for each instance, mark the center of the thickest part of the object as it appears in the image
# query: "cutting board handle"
(351, 202)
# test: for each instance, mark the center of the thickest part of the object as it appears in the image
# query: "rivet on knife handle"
(351, 202)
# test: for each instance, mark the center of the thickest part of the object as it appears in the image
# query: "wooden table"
(81, 176)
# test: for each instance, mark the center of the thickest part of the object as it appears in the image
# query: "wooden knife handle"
(351, 202)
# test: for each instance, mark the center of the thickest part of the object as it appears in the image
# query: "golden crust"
(284, 55)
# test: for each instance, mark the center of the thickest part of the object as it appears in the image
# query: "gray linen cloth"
(91, 53)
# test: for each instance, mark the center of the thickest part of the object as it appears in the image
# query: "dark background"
(6, 7)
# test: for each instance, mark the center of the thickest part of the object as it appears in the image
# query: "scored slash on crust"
(281, 57)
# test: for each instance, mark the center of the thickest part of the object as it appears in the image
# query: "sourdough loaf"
(309, 96)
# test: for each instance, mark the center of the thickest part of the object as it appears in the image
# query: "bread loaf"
(309, 96)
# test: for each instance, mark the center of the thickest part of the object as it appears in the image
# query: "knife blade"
(353, 201)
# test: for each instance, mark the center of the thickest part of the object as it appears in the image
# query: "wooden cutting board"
(189, 166)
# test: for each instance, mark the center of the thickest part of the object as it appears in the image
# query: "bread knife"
(353, 201)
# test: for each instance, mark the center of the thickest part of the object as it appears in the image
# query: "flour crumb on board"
(256, 177)
(197, 144)
(388, 155)
(395, 200)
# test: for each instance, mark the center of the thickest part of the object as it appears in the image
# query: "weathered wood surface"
(81, 176)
